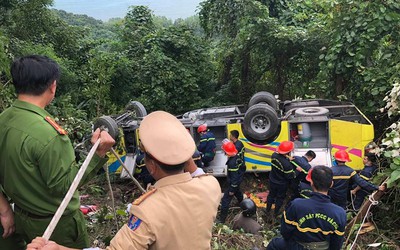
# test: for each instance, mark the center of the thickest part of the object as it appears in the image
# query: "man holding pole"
(178, 212)
(37, 161)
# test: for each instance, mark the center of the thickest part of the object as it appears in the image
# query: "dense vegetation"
(342, 49)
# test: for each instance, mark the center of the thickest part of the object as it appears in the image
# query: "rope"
(373, 203)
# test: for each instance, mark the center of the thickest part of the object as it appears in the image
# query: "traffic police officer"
(207, 144)
(234, 178)
(178, 212)
(37, 161)
(342, 175)
(282, 172)
(313, 223)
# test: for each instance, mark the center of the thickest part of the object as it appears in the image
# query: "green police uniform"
(13, 242)
(37, 167)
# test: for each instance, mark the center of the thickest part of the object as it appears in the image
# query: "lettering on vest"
(318, 216)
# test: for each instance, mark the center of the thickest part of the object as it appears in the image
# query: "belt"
(321, 245)
(30, 215)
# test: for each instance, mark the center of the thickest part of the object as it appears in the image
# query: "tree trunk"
(246, 86)
(340, 84)
(280, 76)
(225, 76)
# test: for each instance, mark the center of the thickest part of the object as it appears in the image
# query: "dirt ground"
(104, 223)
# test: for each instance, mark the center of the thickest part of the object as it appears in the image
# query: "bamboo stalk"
(56, 218)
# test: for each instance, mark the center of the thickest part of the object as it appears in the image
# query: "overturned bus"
(323, 126)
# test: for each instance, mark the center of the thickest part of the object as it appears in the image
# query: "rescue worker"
(178, 212)
(207, 144)
(234, 137)
(305, 189)
(245, 219)
(314, 223)
(282, 172)
(197, 155)
(197, 159)
(37, 161)
(366, 173)
(342, 176)
(234, 179)
(304, 163)
(141, 170)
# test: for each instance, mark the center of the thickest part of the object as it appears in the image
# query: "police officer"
(207, 144)
(234, 178)
(342, 176)
(245, 220)
(37, 162)
(366, 173)
(282, 172)
(313, 223)
(179, 211)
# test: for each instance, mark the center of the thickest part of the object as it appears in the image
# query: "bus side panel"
(258, 157)
(352, 137)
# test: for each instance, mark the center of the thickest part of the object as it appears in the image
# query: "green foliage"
(164, 67)
(391, 141)
(7, 95)
(361, 52)
(97, 83)
(174, 70)
(74, 120)
(6, 91)
(96, 28)
(138, 23)
(258, 51)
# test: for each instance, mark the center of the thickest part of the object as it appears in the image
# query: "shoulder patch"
(144, 196)
(57, 127)
(134, 222)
